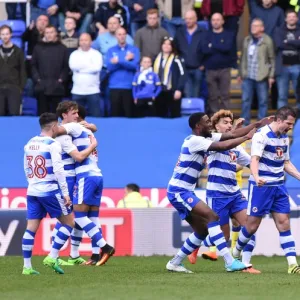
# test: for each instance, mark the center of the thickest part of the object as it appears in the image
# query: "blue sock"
(248, 250)
(236, 228)
(244, 238)
(27, 246)
(207, 242)
(90, 228)
(76, 237)
(60, 239)
(94, 217)
(55, 230)
(287, 243)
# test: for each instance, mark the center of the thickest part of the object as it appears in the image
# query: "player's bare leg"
(282, 222)
(241, 218)
(27, 246)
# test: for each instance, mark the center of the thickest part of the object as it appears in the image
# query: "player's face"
(206, 126)
(71, 116)
(224, 125)
(286, 125)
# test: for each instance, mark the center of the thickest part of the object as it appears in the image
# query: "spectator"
(188, 42)
(170, 69)
(138, 13)
(81, 10)
(271, 15)
(146, 87)
(12, 74)
(70, 38)
(11, 10)
(173, 12)
(86, 64)
(44, 7)
(231, 11)
(287, 42)
(217, 44)
(257, 69)
(107, 10)
(133, 198)
(149, 38)
(103, 42)
(122, 62)
(49, 70)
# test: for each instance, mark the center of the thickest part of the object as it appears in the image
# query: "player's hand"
(266, 121)
(84, 124)
(68, 201)
(238, 123)
(250, 134)
(260, 181)
(93, 141)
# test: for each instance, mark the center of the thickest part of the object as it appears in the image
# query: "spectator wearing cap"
(107, 10)
(12, 74)
(188, 42)
(216, 46)
(86, 64)
(149, 38)
(49, 70)
(80, 10)
(173, 12)
(171, 71)
(138, 13)
(122, 62)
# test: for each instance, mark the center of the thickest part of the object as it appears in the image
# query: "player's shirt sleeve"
(287, 154)
(258, 144)
(199, 143)
(73, 129)
(58, 167)
(243, 158)
(216, 137)
(66, 143)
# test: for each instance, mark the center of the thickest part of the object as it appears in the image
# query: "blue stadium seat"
(192, 105)
(16, 41)
(29, 106)
(18, 26)
(203, 24)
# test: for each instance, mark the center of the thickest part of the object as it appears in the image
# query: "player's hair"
(133, 187)
(152, 11)
(81, 112)
(195, 118)
(290, 11)
(5, 27)
(46, 119)
(220, 115)
(284, 112)
(64, 107)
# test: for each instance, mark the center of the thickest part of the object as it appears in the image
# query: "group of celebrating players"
(221, 152)
(64, 181)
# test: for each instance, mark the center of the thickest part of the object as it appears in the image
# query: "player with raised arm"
(183, 182)
(267, 192)
(68, 112)
(223, 195)
(88, 192)
(47, 192)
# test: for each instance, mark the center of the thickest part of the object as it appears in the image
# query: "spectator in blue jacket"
(269, 13)
(188, 40)
(216, 46)
(122, 62)
(287, 45)
(138, 13)
(146, 87)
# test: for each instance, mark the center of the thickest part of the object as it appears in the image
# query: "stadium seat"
(203, 24)
(16, 41)
(192, 105)
(18, 26)
(29, 106)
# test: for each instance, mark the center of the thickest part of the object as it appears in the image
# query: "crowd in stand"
(141, 57)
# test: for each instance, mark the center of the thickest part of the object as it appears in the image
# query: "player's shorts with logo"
(51, 203)
(225, 207)
(183, 202)
(88, 190)
(265, 199)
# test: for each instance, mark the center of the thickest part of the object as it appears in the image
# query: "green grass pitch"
(146, 278)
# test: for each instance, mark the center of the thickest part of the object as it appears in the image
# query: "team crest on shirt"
(279, 153)
(190, 200)
(254, 209)
(233, 156)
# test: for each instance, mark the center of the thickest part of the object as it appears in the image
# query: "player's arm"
(239, 168)
(92, 127)
(73, 129)
(59, 172)
(239, 132)
(232, 143)
(257, 149)
(243, 159)
(291, 169)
